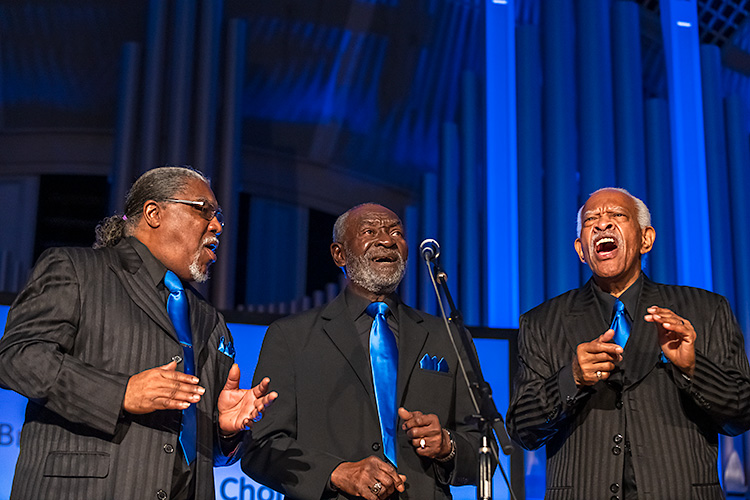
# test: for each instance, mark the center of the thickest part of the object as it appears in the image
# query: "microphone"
(429, 249)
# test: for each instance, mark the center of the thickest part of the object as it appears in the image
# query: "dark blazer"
(86, 321)
(671, 423)
(326, 411)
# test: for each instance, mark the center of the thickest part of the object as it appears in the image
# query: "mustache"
(607, 233)
(376, 253)
(210, 240)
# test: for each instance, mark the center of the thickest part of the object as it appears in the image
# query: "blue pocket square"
(432, 363)
(226, 347)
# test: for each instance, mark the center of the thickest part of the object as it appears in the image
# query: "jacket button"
(375, 446)
(616, 450)
(614, 487)
(161, 495)
(614, 497)
(618, 405)
(168, 448)
(617, 438)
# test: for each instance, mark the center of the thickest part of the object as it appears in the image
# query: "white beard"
(195, 271)
(358, 270)
(195, 268)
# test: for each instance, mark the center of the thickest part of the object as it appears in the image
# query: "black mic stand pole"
(487, 415)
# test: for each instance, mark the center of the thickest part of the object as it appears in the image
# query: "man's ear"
(338, 254)
(579, 249)
(152, 213)
(647, 239)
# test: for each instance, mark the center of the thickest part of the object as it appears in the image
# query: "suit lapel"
(642, 350)
(137, 283)
(202, 323)
(339, 327)
(412, 337)
(584, 322)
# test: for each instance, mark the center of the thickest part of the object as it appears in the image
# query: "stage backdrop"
(231, 482)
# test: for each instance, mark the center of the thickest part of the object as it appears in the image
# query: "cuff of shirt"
(229, 444)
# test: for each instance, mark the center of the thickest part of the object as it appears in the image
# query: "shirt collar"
(357, 305)
(629, 297)
(156, 270)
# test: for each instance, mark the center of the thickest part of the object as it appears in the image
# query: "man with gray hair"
(628, 382)
(133, 391)
(373, 406)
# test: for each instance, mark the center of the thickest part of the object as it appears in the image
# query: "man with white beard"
(357, 419)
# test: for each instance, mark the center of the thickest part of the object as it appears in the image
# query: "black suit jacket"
(86, 321)
(671, 423)
(326, 411)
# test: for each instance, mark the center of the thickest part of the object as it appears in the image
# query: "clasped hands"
(165, 388)
(595, 360)
(374, 478)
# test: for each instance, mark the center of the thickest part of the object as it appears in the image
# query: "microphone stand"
(490, 421)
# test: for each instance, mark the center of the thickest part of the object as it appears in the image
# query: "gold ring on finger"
(599, 374)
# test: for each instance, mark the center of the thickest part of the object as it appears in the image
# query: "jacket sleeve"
(544, 398)
(720, 384)
(36, 358)
(273, 456)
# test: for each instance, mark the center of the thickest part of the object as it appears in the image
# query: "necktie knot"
(173, 283)
(376, 308)
(619, 306)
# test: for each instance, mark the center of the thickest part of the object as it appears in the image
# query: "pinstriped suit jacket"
(670, 422)
(86, 321)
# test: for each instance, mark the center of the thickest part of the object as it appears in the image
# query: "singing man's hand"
(427, 436)
(239, 408)
(595, 360)
(161, 388)
(370, 478)
(676, 337)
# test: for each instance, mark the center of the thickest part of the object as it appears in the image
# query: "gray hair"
(339, 227)
(642, 213)
(157, 184)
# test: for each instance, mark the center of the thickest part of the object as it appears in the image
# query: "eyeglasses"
(207, 210)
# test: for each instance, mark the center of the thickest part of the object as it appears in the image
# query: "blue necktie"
(384, 361)
(620, 324)
(177, 308)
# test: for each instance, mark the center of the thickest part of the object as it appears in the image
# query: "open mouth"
(384, 259)
(211, 247)
(605, 245)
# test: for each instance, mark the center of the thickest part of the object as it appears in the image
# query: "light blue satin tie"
(177, 308)
(384, 362)
(620, 324)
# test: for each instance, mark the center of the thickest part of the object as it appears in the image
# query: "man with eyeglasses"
(133, 391)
